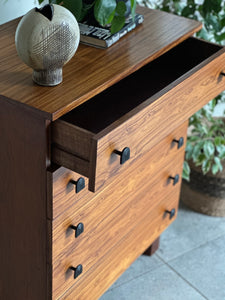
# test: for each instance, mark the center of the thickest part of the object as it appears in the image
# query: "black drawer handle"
(171, 212)
(124, 154)
(175, 179)
(77, 271)
(79, 184)
(179, 142)
(78, 229)
(222, 73)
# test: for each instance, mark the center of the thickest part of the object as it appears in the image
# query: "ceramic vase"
(46, 39)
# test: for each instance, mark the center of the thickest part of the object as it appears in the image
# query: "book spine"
(102, 38)
(112, 40)
(127, 28)
(130, 26)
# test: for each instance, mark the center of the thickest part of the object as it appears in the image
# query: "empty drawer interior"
(110, 105)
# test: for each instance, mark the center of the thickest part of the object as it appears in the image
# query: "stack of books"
(102, 37)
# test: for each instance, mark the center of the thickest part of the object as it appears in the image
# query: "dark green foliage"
(206, 143)
(104, 11)
(211, 13)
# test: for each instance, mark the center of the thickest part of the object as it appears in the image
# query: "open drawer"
(138, 112)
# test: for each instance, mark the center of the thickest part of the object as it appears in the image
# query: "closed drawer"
(62, 194)
(114, 211)
(102, 275)
(138, 111)
(158, 220)
(93, 211)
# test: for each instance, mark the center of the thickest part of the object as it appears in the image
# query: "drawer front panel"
(96, 244)
(110, 215)
(144, 129)
(140, 126)
(62, 191)
(100, 277)
(92, 212)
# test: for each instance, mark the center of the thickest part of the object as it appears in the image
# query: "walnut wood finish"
(23, 224)
(195, 80)
(62, 191)
(114, 211)
(109, 217)
(91, 70)
(72, 162)
(34, 201)
(123, 254)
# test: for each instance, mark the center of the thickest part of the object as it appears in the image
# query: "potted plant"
(204, 168)
(101, 12)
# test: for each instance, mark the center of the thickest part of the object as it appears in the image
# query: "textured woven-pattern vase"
(46, 39)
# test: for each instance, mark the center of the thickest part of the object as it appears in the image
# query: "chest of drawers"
(91, 169)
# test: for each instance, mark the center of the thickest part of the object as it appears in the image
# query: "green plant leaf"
(85, 9)
(186, 171)
(121, 8)
(54, 1)
(223, 21)
(133, 4)
(166, 8)
(218, 163)
(188, 11)
(193, 138)
(211, 5)
(103, 9)
(191, 2)
(219, 142)
(206, 143)
(109, 21)
(189, 150)
(215, 169)
(212, 20)
(197, 150)
(203, 129)
(200, 159)
(221, 151)
(220, 37)
(75, 7)
(206, 165)
(117, 23)
(208, 149)
(178, 7)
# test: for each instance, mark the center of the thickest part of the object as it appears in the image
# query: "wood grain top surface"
(91, 70)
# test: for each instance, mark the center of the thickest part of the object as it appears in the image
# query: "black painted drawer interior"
(110, 105)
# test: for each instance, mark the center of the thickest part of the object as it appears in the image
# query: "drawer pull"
(175, 179)
(77, 271)
(124, 154)
(80, 184)
(171, 212)
(222, 73)
(78, 229)
(179, 142)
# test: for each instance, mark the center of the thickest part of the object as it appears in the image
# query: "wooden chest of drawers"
(112, 213)
(91, 169)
